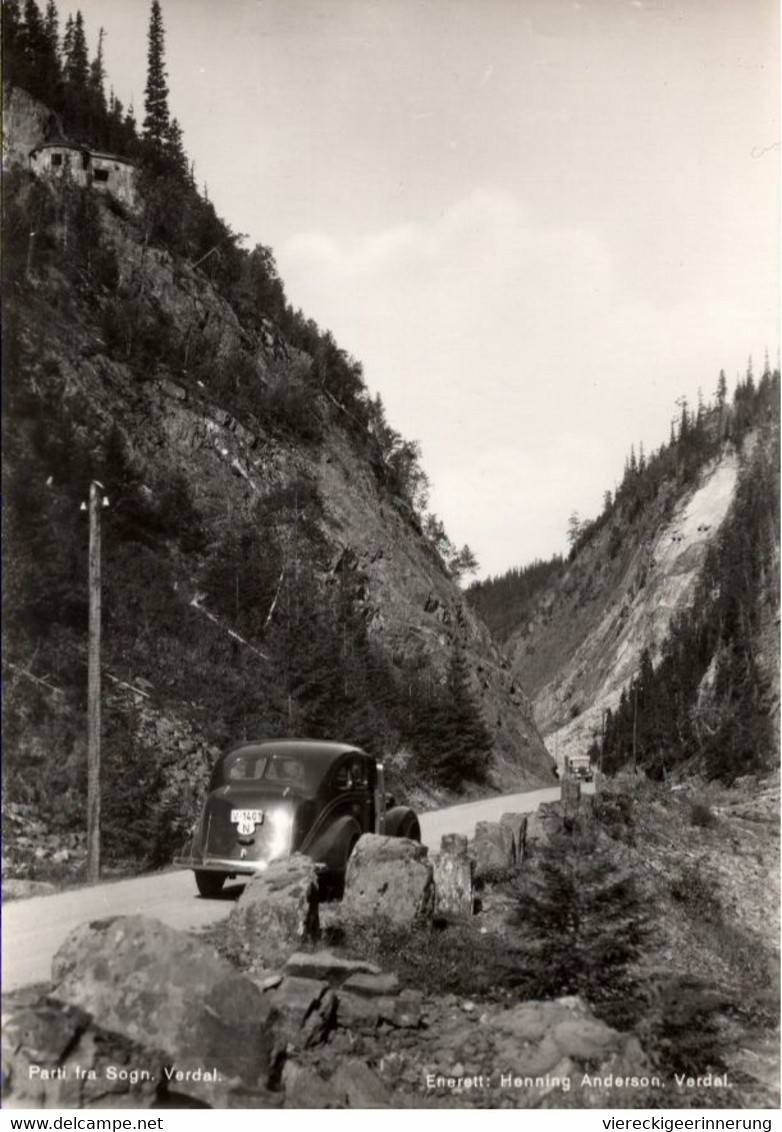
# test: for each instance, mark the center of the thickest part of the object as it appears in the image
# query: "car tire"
(209, 884)
(402, 822)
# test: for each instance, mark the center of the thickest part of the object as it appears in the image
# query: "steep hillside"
(265, 566)
(628, 585)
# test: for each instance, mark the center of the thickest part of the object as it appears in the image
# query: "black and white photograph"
(391, 560)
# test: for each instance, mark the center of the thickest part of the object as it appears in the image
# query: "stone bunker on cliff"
(87, 168)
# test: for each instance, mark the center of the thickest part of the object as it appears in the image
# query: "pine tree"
(175, 153)
(52, 25)
(98, 77)
(460, 742)
(581, 922)
(35, 65)
(722, 390)
(67, 44)
(12, 27)
(156, 120)
(77, 67)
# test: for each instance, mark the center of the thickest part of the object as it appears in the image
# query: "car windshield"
(251, 765)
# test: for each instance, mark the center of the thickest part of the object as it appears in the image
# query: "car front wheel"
(209, 884)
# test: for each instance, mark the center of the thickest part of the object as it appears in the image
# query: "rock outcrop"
(277, 912)
(143, 979)
(494, 849)
(55, 1056)
(388, 879)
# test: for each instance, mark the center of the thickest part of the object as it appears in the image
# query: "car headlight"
(281, 822)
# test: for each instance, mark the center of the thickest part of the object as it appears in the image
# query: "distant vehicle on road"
(269, 798)
(579, 766)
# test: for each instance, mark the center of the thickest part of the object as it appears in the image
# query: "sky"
(537, 223)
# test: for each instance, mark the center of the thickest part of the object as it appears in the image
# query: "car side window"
(342, 777)
(358, 774)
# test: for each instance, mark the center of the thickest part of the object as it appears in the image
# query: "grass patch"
(446, 957)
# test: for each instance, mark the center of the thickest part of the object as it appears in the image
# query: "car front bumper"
(222, 865)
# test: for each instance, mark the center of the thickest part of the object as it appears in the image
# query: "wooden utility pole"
(93, 690)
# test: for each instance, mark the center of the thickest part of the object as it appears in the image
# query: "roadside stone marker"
(454, 872)
(494, 849)
(517, 824)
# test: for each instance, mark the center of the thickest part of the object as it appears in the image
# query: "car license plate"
(246, 820)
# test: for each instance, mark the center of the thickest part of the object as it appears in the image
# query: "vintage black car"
(269, 798)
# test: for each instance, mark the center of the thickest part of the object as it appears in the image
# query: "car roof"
(313, 750)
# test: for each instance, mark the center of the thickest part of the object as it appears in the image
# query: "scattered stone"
(388, 879)
(268, 982)
(356, 1012)
(54, 1056)
(493, 849)
(324, 965)
(372, 986)
(277, 912)
(358, 1086)
(536, 1038)
(307, 1009)
(143, 978)
(305, 1088)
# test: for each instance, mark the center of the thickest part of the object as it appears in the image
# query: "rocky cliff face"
(585, 641)
(73, 346)
(26, 123)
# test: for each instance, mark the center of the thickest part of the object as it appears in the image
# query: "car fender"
(401, 821)
(331, 847)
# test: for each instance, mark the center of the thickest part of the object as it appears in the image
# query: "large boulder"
(494, 850)
(55, 1056)
(276, 913)
(453, 872)
(517, 824)
(390, 880)
(544, 824)
(156, 985)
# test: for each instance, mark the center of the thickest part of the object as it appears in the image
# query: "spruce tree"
(156, 120)
(175, 152)
(52, 25)
(67, 45)
(98, 76)
(460, 742)
(77, 67)
(581, 921)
